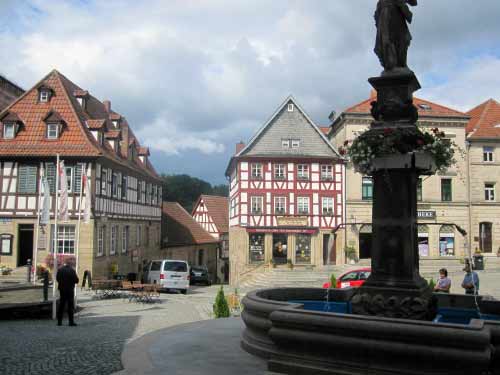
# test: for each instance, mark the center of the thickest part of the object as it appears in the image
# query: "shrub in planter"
(350, 253)
(221, 308)
(333, 281)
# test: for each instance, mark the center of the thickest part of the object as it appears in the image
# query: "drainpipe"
(468, 147)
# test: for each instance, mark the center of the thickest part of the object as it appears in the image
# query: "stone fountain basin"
(299, 341)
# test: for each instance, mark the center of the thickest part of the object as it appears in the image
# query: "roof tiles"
(484, 120)
(218, 210)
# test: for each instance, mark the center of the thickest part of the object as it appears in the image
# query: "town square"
(288, 187)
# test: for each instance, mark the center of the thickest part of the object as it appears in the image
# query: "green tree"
(221, 308)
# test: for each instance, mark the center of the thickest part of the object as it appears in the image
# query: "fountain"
(394, 323)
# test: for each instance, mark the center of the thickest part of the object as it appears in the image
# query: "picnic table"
(107, 288)
(141, 292)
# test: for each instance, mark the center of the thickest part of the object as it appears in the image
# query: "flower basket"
(423, 161)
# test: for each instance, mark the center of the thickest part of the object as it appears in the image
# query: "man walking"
(66, 279)
(471, 279)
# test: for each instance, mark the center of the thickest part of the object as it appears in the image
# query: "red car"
(352, 278)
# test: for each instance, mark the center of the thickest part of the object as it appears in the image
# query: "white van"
(169, 274)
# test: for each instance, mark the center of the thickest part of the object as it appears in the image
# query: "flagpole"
(84, 168)
(54, 274)
(37, 224)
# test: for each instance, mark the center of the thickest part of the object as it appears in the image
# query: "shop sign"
(281, 230)
(426, 214)
(295, 221)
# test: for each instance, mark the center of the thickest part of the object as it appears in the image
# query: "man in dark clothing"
(66, 279)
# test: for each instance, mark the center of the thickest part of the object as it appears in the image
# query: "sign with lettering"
(292, 221)
(426, 214)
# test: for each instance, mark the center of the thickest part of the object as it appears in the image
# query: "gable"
(289, 125)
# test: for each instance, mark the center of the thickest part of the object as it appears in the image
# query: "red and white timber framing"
(243, 187)
(202, 217)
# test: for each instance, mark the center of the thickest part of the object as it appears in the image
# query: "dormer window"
(52, 131)
(290, 107)
(44, 96)
(9, 130)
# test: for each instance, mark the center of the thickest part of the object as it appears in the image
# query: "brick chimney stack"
(107, 105)
(239, 146)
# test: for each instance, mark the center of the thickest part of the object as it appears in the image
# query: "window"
(295, 143)
(9, 130)
(256, 170)
(280, 205)
(69, 178)
(50, 170)
(303, 205)
(27, 179)
(446, 194)
(44, 96)
(485, 237)
(6, 244)
(124, 187)
(367, 189)
(419, 190)
(101, 235)
(143, 192)
(447, 241)
(327, 172)
(256, 247)
(303, 248)
(290, 107)
(65, 239)
(285, 143)
(488, 154)
(114, 185)
(279, 171)
(489, 192)
(425, 107)
(232, 211)
(138, 236)
(303, 172)
(125, 238)
(327, 205)
(112, 247)
(423, 240)
(104, 180)
(256, 205)
(52, 131)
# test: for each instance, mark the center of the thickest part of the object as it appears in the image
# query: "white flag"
(62, 213)
(45, 216)
(86, 210)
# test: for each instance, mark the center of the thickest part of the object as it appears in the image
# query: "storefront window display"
(303, 248)
(446, 241)
(256, 247)
(280, 246)
(423, 240)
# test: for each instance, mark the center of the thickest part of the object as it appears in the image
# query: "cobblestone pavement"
(104, 327)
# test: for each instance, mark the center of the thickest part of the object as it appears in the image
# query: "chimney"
(107, 105)
(239, 146)
(373, 94)
(331, 117)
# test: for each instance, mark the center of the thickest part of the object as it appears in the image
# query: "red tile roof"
(218, 210)
(115, 116)
(96, 124)
(182, 228)
(425, 109)
(80, 93)
(113, 134)
(484, 120)
(143, 151)
(324, 129)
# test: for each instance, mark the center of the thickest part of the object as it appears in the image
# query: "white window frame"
(125, 238)
(70, 171)
(8, 128)
(66, 234)
(327, 172)
(232, 210)
(257, 170)
(290, 107)
(488, 154)
(112, 240)
(489, 192)
(285, 143)
(256, 202)
(279, 171)
(104, 181)
(280, 205)
(327, 206)
(303, 171)
(295, 143)
(44, 96)
(101, 233)
(303, 205)
(50, 131)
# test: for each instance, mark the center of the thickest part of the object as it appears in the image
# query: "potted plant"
(333, 281)
(350, 254)
(220, 307)
(289, 264)
(272, 263)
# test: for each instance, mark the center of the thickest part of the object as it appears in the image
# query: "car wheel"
(184, 291)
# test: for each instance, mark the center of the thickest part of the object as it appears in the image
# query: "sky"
(194, 77)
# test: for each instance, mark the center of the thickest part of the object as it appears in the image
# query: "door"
(329, 246)
(25, 245)
(365, 245)
(280, 247)
(485, 237)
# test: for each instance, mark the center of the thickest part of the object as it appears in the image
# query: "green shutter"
(77, 178)
(27, 179)
(50, 170)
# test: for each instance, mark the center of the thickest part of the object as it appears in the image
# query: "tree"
(221, 308)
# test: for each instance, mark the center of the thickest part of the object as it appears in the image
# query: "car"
(200, 275)
(169, 274)
(352, 278)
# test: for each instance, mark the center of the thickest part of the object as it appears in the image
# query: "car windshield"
(198, 269)
(175, 266)
(350, 276)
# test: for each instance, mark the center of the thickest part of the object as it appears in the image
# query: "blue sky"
(193, 77)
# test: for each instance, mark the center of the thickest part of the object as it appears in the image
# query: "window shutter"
(77, 178)
(27, 179)
(50, 170)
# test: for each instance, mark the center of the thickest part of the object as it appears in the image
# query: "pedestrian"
(66, 280)
(444, 283)
(471, 279)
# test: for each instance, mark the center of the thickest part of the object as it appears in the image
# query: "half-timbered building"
(212, 213)
(286, 195)
(58, 117)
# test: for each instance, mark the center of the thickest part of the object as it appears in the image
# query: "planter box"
(421, 161)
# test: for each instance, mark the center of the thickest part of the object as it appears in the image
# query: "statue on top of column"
(393, 35)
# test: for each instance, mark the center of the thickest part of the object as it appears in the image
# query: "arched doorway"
(365, 241)
(423, 240)
(447, 241)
